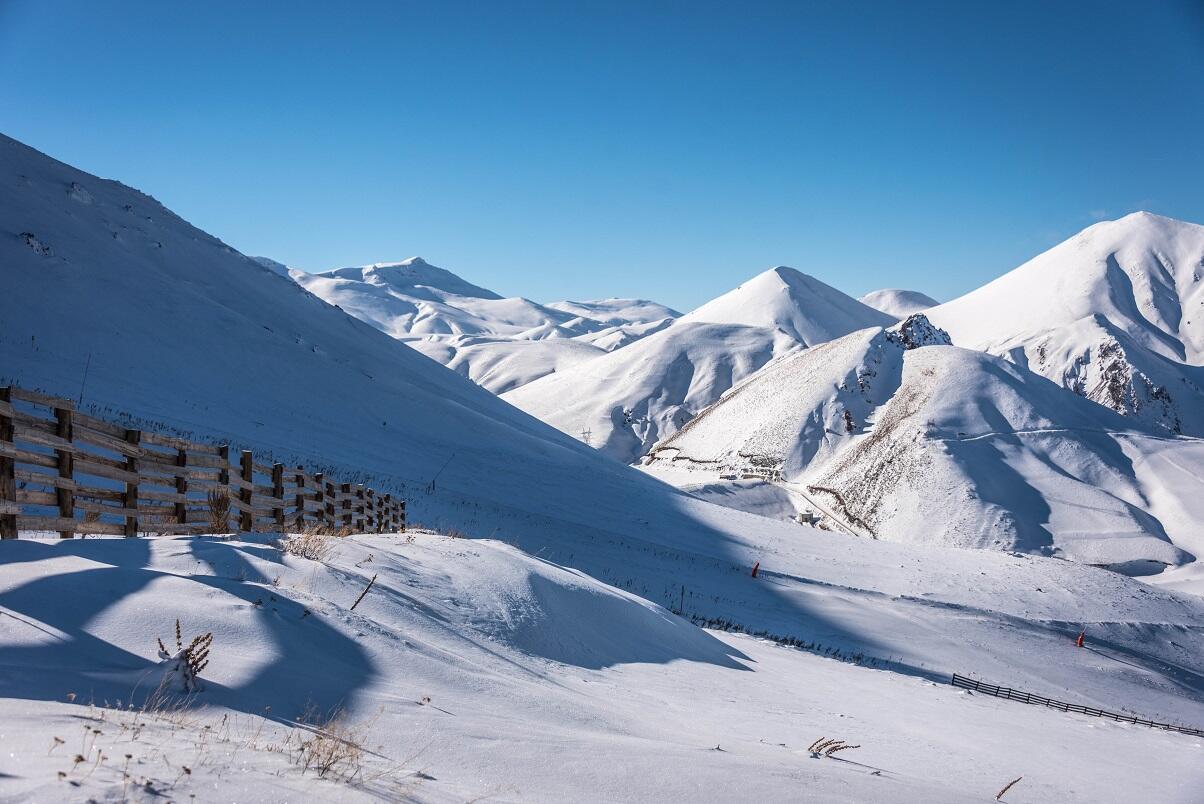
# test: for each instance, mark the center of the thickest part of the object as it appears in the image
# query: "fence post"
(345, 495)
(129, 500)
(320, 497)
(66, 466)
(401, 513)
(246, 518)
(223, 478)
(278, 493)
(299, 480)
(359, 507)
(8, 478)
(373, 520)
(331, 499)
(387, 519)
(181, 488)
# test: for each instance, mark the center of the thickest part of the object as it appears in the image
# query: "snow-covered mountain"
(898, 303)
(499, 343)
(800, 306)
(631, 398)
(465, 643)
(1115, 313)
(951, 446)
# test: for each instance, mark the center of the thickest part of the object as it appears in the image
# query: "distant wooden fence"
(1029, 698)
(62, 470)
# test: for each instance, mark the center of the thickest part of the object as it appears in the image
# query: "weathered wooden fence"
(1029, 698)
(62, 470)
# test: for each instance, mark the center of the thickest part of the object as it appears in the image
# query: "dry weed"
(219, 510)
(330, 745)
(314, 544)
(824, 747)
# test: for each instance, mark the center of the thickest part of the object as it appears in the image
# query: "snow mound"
(1114, 314)
(898, 303)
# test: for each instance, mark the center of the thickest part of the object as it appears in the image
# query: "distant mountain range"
(1059, 421)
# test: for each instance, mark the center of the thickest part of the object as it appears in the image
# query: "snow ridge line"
(1010, 694)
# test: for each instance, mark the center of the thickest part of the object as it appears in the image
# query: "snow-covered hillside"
(499, 343)
(898, 303)
(950, 446)
(1115, 313)
(630, 399)
(539, 670)
(471, 670)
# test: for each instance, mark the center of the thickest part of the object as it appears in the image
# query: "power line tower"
(586, 434)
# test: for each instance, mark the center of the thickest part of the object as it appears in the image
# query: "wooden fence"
(62, 470)
(1029, 698)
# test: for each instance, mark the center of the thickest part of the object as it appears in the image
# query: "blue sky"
(665, 150)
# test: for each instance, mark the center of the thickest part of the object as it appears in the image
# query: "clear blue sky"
(664, 150)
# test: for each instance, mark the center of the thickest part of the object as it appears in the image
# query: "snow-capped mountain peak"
(898, 302)
(1115, 313)
(799, 305)
(414, 276)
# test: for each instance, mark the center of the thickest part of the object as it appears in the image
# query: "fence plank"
(39, 398)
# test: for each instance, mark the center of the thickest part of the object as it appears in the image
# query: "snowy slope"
(175, 327)
(472, 670)
(898, 303)
(632, 398)
(950, 446)
(617, 311)
(502, 364)
(487, 338)
(1115, 313)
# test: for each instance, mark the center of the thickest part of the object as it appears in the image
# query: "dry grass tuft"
(219, 510)
(189, 660)
(314, 544)
(330, 745)
(337, 531)
(824, 747)
(158, 525)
